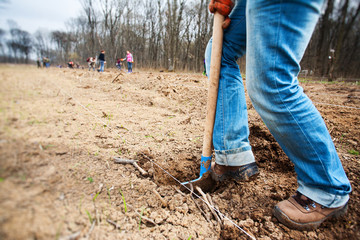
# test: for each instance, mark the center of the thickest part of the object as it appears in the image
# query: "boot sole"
(284, 219)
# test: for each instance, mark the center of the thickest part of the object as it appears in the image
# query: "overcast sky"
(31, 15)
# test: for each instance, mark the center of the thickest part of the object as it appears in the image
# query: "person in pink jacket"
(130, 60)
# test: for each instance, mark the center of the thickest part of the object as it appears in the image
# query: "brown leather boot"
(301, 213)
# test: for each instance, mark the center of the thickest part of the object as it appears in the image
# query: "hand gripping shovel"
(204, 179)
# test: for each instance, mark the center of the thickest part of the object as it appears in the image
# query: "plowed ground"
(61, 128)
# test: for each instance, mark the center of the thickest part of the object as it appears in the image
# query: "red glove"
(223, 7)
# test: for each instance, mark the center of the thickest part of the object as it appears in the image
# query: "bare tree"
(20, 43)
(334, 44)
(91, 16)
(174, 16)
(64, 42)
(2, 47)
(42, 43)
(346, 23)
(112, 11)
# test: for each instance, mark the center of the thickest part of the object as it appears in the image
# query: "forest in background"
(172, 34)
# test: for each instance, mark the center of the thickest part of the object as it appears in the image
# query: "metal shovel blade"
(204, 181)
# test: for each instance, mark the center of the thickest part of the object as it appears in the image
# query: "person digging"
(273, 53)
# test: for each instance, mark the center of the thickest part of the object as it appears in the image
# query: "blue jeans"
(274, 34)
(102, 63)
(129, 67)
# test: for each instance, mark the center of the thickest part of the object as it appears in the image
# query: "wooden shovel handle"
(216, 51)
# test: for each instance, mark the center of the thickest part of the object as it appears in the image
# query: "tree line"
(172, 34)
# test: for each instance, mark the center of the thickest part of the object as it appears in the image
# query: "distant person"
(46, 62)
(130, 61)
(102, 61)
(38, 63)
(71, 64)
(91, 62)
(118, 63)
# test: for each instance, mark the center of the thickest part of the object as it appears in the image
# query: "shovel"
(204, 180)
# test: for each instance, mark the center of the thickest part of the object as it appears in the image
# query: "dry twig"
(220, 215)
(145, 218)
(124, 161)
(208, 204)
(163, 202)
(142, 171)
(116, 77)
(220, 218)
(197, 205)
(71, 237)
(177, 190)
(113, 223)
(133, 162)
(90, 230)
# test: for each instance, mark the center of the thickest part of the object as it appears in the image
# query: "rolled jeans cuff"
(234, 157)
(322, 197)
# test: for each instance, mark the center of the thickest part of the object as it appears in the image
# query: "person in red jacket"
(118, 63)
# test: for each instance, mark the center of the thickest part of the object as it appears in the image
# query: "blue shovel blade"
(203, 169)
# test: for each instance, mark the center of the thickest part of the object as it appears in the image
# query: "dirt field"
(61, 128)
